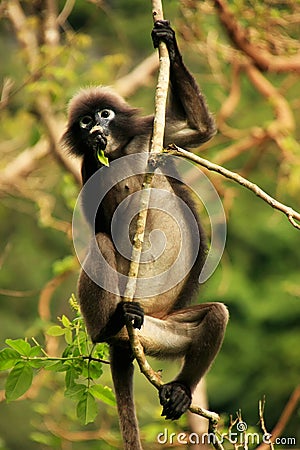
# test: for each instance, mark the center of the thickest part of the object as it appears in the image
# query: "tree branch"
(260, 57)
(291, 214)
(23, 165)
(156, 148)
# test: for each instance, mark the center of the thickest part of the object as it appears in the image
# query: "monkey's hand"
(133, 313)
(175, 399)
(125, 313)
(162, 32)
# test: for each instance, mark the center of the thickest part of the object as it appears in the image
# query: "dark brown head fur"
(126, 124)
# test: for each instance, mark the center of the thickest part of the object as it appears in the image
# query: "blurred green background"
(258, 277)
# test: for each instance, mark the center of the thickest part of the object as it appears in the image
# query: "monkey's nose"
(96, 128)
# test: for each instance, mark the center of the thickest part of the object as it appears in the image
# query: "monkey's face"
(99, 119)
(95, 128)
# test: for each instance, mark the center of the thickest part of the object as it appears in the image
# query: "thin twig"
(291, 214)
(261, 407)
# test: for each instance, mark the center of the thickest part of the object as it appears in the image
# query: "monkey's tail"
(122, 374)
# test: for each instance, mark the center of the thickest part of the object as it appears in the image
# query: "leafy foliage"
(81, 362)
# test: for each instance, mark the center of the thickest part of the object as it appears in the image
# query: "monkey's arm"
(104, 312)
(189, 122)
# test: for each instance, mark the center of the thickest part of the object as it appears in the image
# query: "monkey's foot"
(175, 399)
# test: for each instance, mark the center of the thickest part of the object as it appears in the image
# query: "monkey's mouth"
(98, 141)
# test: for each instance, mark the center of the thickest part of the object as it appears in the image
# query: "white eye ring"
(86, 121)
(106, 114)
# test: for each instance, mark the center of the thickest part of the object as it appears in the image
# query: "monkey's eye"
(86, 122)
(106, 114)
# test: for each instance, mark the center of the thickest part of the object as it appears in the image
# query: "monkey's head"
(99, 119)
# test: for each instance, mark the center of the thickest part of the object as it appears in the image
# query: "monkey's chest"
(169, 245)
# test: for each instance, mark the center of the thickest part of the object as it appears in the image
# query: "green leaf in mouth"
(102, 158)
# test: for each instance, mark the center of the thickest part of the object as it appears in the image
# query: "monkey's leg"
(193, 333)
(206, 326)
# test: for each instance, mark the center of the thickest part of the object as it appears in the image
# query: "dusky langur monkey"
(167, 325)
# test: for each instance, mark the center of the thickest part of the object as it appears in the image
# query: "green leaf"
(18, 381)
(68, 336)
(103, 393)
(102, 158)
(35, 351)
(68, 351)
(71, 375)
(65, 321)
(21, 346)
(101, 351)
(87, 408)
(75, 392)
(8, 358)
(94, 370)
(55, 330)
(37, 363)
